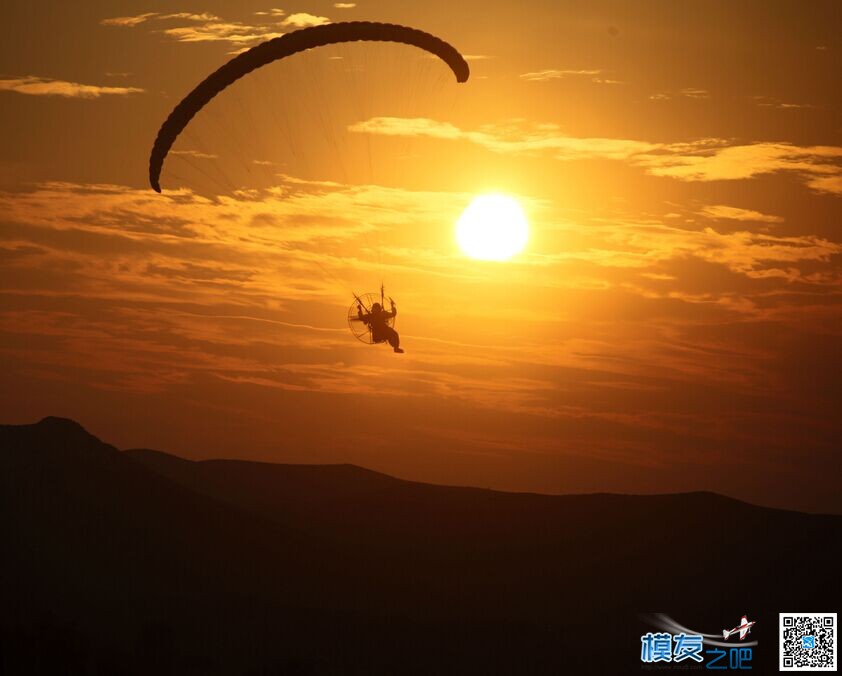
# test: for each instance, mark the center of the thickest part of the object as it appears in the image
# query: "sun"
(492, 228)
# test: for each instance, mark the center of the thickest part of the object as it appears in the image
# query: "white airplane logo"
(744, 628)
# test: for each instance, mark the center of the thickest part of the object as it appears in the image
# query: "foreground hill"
(142, 562)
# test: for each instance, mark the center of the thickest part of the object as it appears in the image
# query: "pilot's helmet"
(376, 307)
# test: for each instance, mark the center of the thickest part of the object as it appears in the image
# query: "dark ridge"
(142, 562)
(57, 423)
(164, 462)
(54, 431)
(49, 437)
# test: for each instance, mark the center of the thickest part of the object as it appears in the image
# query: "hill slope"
(147, 562)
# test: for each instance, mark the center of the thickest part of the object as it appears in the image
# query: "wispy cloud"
(344, 5)
(128, 21)
(41, 86)
(734, 162)
(206, 27)
(720, 211)
(515, 136)
(305, 222)
(303, 19)
(694, 93)
(553, 74)
(770, 102)
(190, 16)
(828, 184)
(219, 31)
(747, 253)
(686, 92)
(701, 160)
(197, 154)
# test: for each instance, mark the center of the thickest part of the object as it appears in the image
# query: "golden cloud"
(701, 160)
(686, 92)
(828, 184)
(739, 214)
(218, 31)
(206, 27)
(131, 21)
(511, 137)
(40, 86)
(303, 19)
(128, 21)
(552, 74)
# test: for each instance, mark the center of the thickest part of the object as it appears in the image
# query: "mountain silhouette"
(141, 562)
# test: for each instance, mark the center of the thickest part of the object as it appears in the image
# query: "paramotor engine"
(360, 329)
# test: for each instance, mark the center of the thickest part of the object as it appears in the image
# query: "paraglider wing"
(279, 48)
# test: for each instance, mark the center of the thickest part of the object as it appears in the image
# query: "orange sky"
(673, 324)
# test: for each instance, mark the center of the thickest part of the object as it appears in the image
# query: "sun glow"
(492, 228)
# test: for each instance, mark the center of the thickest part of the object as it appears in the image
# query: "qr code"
(808, 641)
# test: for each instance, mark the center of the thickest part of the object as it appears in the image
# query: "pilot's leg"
(395, 340)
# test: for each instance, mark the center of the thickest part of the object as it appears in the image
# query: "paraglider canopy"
(280, 48)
